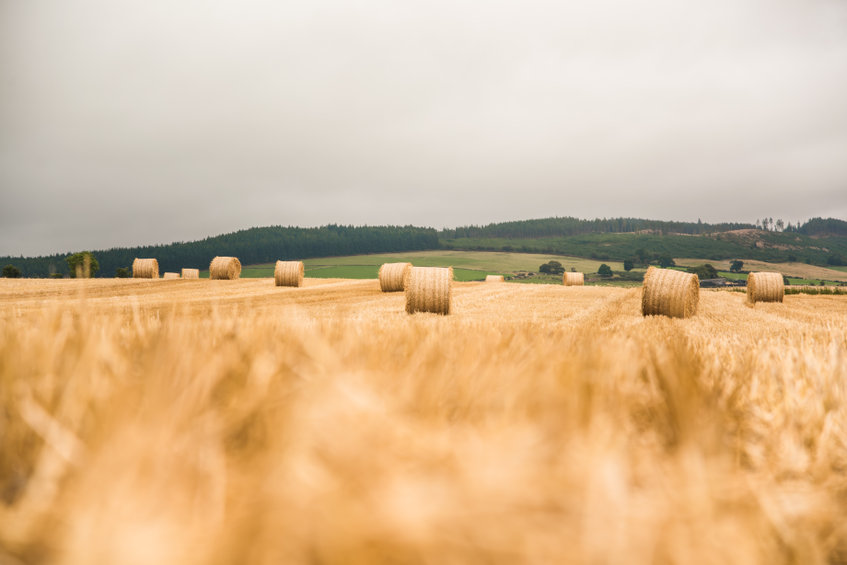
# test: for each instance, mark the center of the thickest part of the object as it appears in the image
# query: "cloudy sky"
(134, 122)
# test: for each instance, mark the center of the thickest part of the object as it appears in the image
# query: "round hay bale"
(765, 287)
(392, 276)
(666, 292)
(226, 268)
(289, 273)
(429, 289)
(191, 273)
(170, 276)
(573, 279)
(495, 278)
(145, 269)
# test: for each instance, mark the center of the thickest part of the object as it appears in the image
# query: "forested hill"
(550, 227)
(818, 241)
(254, 245)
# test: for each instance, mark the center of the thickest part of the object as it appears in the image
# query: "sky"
(126, 123)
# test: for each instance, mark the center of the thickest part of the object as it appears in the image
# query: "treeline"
(254, 245)
(567, 226)
(824, 226)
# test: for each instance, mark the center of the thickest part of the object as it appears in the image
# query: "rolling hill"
(819, 242)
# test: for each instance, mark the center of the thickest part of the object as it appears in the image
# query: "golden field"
(213, 422)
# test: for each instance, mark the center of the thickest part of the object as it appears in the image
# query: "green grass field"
(474, 266)
(467, 265)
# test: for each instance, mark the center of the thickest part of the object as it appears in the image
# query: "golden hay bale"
(669, 293)
(392, 276)
(428, 289)
(765, 287)
(573, 279)
(145, 269)
(228, 268)
(191, 273)
(289, 273)
(495, 278)
(170, 276)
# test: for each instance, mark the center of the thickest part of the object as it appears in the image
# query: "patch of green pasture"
(492, 262)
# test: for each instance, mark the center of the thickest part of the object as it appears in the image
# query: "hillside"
(821, 242)
(818, 242)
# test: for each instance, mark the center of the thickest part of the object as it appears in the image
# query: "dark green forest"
(566, 226)
(254, 245)
(819, 241)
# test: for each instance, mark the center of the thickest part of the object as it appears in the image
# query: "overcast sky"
(150, 121)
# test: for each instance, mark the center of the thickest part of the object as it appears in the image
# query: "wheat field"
(213, 422)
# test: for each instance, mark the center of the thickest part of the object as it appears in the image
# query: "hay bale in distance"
(289, 273)
(495, 278)
(765, 287)
(145, 268)
(573, 279)
(392, 276)
(170, 276)
(225, 268)
(429, 289)
(191, 273)
(671, 293)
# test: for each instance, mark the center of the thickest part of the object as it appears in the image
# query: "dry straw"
(191, 273)
(765, 287)
(495, 278)
(573, 279)
(669, 293)
(228, 268)
(392, 276)
(170, 276)
(145, 269)
(428, 289)
(289, 273)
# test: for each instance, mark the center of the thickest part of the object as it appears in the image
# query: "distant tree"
(706, 271)
(604, 270)
(736, 266)
(642, 256)
(551, 268)
(83, 263)
(780, 225)
(11, 272)
(121, 273)
(666, 261)
(627, 265)
(792, 258)
(835, 259)
(785, 280)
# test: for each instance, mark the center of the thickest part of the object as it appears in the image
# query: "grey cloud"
(142, 122)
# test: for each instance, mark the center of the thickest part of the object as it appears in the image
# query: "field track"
(206, 422)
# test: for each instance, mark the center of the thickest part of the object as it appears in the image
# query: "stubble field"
(236, 422)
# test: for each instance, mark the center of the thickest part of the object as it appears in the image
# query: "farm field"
(467, 265)
(799, 271)
(206, 422)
